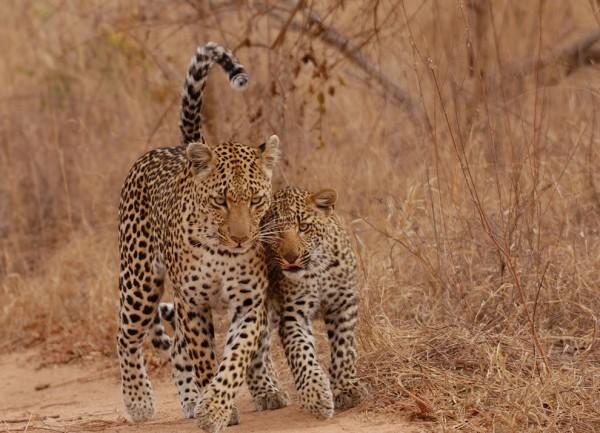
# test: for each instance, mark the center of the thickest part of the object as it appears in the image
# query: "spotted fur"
(313, 272)
(191, 213)
(261, 376)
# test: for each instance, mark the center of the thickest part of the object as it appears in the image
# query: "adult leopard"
(191, 213)
(312, 272)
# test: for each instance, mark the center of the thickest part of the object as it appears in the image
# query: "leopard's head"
(295, 226)
(233, 188)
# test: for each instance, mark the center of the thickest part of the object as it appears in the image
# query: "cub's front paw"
(271, 400)
(316, 396)
(211, 415)
(349, 395)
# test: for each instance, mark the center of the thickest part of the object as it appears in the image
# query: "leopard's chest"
(229, 280)
(214, 279)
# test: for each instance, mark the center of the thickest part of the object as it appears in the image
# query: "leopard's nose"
(291, 257)
(239, 239)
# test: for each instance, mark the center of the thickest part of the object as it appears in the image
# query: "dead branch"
(317, 28)
(588, 57)
(477, 29)
(476, 23)
(572, 56)
(29, 419)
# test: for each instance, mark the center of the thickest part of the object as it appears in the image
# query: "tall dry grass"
(478, 237)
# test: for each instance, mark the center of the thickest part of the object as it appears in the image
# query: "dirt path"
(74, 398)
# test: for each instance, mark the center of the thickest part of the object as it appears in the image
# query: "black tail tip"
(239, 81)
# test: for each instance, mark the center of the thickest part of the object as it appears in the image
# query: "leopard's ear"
(324, 200)
(269, 154)
(201, 157)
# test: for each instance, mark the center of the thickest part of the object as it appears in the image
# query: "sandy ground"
(86, 398)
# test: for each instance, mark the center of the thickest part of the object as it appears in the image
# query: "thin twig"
(281, 36)
(160, 119)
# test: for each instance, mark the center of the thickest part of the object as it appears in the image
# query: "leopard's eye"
(303, 227)
(257, 199)
(219, 201)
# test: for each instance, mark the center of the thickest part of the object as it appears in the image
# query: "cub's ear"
(324, 200)
(201, 157)
(269, 154)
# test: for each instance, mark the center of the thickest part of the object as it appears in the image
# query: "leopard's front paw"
(140, 411)
(234, 419)
(211, 415)
(139, 400)
(316, 396)
(349, 395)
(272, 400)
(189, 409)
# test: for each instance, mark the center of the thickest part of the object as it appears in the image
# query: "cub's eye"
(256, 200)
(219, 201)
(303, 227)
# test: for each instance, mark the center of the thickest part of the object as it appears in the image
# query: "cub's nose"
(239, 239)
(290, 257)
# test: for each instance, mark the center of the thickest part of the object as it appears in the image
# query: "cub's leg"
(215, 405)
(340, 320)
(141, 286)
(261, 376)
(311, 382)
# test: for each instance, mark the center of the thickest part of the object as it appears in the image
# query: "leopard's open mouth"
(291, 267)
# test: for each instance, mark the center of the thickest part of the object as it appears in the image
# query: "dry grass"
(479, 238)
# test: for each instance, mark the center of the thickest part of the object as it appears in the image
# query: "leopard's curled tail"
(190, 122)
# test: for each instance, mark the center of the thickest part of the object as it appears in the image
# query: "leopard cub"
(312, 273)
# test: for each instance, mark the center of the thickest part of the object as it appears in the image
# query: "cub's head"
(233, 187)
(294, 228)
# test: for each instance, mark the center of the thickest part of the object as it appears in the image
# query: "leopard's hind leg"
(141, 285)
